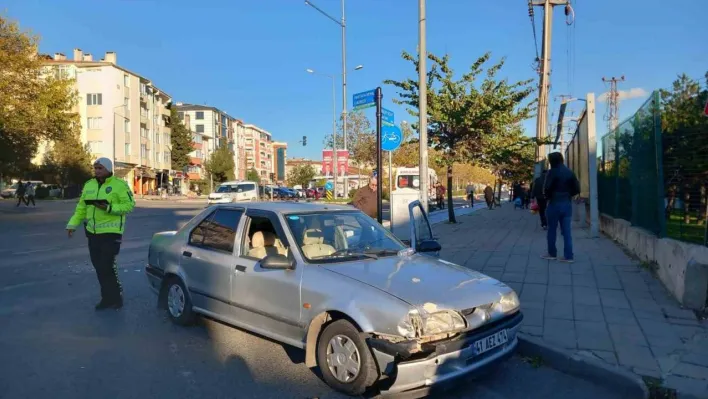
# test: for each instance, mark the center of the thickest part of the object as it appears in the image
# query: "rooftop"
(196, 107)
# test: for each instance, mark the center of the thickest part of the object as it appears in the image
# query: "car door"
(422, 239)
(269, 299)
(208, 259)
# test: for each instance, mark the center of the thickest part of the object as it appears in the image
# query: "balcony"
(144, 118)
(144, 98)
(197, 146)
(195, 161)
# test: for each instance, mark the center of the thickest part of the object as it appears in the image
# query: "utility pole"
(422, 107)
(545, 70)
(612, 116)
(344, 100)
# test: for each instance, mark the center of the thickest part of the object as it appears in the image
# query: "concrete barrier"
(681, 267)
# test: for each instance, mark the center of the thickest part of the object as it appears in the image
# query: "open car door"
(422, 239)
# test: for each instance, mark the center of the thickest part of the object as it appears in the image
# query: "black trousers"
(104, 249)
(28, 199)
(542, 204)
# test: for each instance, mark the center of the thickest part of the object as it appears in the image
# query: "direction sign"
(364, 99)
(386, 117)
(329, 186)
(391, 138)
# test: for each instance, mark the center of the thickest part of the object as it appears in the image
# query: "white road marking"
(34, 251)
(34, 234)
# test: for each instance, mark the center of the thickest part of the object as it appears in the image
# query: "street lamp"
(334, 126)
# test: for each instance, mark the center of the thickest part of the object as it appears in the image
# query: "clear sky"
(248, 58)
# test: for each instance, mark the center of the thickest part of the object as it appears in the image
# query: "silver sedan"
(369, 310)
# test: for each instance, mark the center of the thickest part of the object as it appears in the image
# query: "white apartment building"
(210, 129)
(124, 117)
(259, 152)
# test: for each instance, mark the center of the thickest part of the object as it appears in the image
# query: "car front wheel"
(344, 359)
(179, 305)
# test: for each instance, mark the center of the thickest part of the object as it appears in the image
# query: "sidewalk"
(605, 305)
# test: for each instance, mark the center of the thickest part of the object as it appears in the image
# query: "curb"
(628, 384)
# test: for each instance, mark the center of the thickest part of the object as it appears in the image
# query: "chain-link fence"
(630, 179)
(654, 169)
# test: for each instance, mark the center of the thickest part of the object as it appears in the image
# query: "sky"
(249, 57)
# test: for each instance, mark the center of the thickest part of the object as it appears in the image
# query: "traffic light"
(304, 141)
(272, 176)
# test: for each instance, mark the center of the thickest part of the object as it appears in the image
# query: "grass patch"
(657, 390)
(693, 232)
(534, 361)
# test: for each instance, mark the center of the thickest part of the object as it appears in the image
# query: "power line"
(533, 27)
(612, 115)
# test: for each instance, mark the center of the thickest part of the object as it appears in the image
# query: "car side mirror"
(277, 262)
(429, 246)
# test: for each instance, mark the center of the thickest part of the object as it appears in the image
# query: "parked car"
(234, 191)
(10, 191)
(332, 281)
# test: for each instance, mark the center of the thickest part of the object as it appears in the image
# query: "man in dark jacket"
(537, 194)
(365, 198)
(560, 187)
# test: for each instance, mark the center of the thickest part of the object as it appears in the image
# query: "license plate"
(490, 342)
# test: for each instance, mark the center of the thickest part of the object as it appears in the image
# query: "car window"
(196, 236)
(221, 231)
(247, 187)
(341, 236)
(263, 238)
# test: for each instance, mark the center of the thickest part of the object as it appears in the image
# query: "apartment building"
(240, 141)
(279, 160)
(124, 117)
(259, 151)
(211, 128)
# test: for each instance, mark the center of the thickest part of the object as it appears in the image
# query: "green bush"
(41, 192)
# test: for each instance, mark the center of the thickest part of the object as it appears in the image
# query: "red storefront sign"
(342, 162)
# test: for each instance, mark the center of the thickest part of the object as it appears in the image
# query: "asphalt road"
(53, 344)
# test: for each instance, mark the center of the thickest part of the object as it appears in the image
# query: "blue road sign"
(364, 99)
(329, 186)
(391, 138)
(386, 117)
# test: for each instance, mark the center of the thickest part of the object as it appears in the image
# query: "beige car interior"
(313, 245)
(265, 243)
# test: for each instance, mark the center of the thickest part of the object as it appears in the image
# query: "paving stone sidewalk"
(605, 305)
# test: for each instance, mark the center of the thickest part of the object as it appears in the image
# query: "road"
(55, 345)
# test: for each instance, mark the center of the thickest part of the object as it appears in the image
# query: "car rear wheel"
(179, 305)
(345, 359)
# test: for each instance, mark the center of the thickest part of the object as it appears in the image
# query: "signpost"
(328, 187)
(391, 138)
(387, 117)
(365, 99)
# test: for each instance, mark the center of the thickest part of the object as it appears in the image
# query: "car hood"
(216, 195)
(420, 279)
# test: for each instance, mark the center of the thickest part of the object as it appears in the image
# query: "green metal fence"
(630, 179)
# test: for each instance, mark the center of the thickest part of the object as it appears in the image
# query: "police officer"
(105, 201)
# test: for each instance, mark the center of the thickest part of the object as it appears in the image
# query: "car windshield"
(226, 189)
(326, 237)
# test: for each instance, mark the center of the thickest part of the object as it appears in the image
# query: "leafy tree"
(408, 154)
(252, 175)
(221, 165)
(464, 116)
(180, 140)
(301, 175)
(68, 161)
(35, 105)
(361, 139)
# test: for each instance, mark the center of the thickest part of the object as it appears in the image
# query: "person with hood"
(489, 196)
(105, 201)
(559, 188)
(537, 194)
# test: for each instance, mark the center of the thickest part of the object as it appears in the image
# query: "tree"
(301, 175)
(68, 162)
(221, 165)
(180, 140)
(252, 175)
(464, 116)
(36, 106)
(361, 139)
(408, 154)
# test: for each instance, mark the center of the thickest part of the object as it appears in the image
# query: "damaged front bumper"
(411, 366)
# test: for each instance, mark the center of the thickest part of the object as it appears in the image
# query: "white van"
(410, 178)
(234, 191)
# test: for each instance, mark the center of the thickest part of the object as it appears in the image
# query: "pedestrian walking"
(440, 193)
(470, 193)
(365, 198)
(559, 188)
(489, 196)
(29, 194)
(20, 192)
(105, 201)
(537, 193)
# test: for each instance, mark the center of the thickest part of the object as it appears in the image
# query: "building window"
(95, 146)
(127, 137)
(197, 138)
(167, 157)
(126, 104)
(167, 138)
(143, 151)
(143, 88)
(126, 125)
(200, 128)
(157, 139)
(199, 115)
(127, 149)
(94, 99)
(126, 80)
(199, 154)
(143, 132)
(143, 112)
(94, 123)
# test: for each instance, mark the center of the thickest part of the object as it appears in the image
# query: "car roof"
(238, 182)
(288, 206)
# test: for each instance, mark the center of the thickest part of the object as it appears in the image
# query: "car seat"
(263, 244)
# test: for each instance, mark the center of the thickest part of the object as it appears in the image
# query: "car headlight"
(509, 302)
(419, 324)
